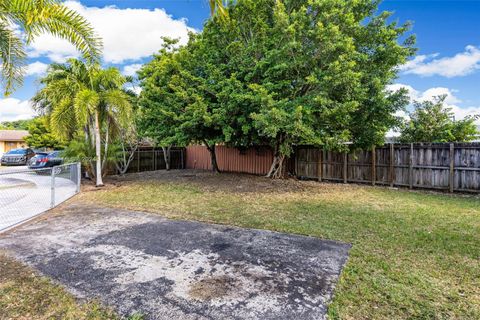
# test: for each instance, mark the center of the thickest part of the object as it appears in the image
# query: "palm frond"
(85, 104)
(34, 17)
(62, 119)
(107, 79)
(217, 6)
(51, 16)
(13, 57)
(118, 106)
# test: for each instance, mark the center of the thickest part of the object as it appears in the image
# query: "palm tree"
(33, 17)
(83, 97)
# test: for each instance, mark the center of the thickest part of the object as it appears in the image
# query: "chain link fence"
(25, 193)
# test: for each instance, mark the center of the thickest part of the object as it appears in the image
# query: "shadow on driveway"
(166, 269)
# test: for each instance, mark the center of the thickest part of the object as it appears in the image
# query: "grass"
(26, 295)
(415, 255)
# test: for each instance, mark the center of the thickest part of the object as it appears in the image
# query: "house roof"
(13, 135)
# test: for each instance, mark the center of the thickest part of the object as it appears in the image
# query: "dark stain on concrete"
(167, 269)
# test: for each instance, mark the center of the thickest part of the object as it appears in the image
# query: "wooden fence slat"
(296, 161)
(320, 165)
(392, 165)
(374, 165)
(153, 161)
(452, 167)
(324, 164)
(410, 167)
(138, 160)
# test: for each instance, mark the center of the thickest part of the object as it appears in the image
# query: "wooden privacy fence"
(152, 159)
(445, 166)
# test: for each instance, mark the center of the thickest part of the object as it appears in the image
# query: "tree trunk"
(124, 163)
(167, 156)
(98, 151)
(277, 168)
(105, 150)
(213, 157)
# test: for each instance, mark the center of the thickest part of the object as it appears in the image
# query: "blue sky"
(447, 62)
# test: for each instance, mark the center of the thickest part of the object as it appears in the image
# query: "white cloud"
(131, 70)
(136, 89)
(461, 64)
(461, 113)
(429, 94)
(12, 109)
(128, 34)
(36, 68)
(412, 93)
(451, 100)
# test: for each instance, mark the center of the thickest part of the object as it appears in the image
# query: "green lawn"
(415, 255)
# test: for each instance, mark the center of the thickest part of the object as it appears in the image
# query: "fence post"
(153, 156)
(410, 167)
(324, 163)
(345, 167)
(392, 163)
(138, 160)
(52, 188)
(296, 161)
(320, 164)
(79, 176)
(374, 166)
(181, 157)
(452, 167)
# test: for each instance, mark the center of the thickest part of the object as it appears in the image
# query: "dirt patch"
(213, 288)
(209, 181)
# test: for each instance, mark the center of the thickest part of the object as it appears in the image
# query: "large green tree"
(84, 98)
(307, 72)
(177, 104)
(34, 17)
(432, 121)
(285, 72)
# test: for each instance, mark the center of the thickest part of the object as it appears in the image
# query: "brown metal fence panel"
(198, 157)
(255, 160)
(444, 166)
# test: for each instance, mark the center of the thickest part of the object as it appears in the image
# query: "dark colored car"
(45, 160)
(17, 157)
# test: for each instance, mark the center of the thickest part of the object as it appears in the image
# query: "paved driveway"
(24, 194)
(168, 269)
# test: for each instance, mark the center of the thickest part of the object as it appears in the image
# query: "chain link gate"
(25, 193)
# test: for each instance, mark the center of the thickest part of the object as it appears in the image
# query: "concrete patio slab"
(166, 269)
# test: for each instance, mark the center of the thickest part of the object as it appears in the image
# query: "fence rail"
(451, 167)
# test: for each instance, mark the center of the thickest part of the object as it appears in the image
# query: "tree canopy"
(40, 135)
(432, 121)
(177, 103)
(15, 125)
(282, 73)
